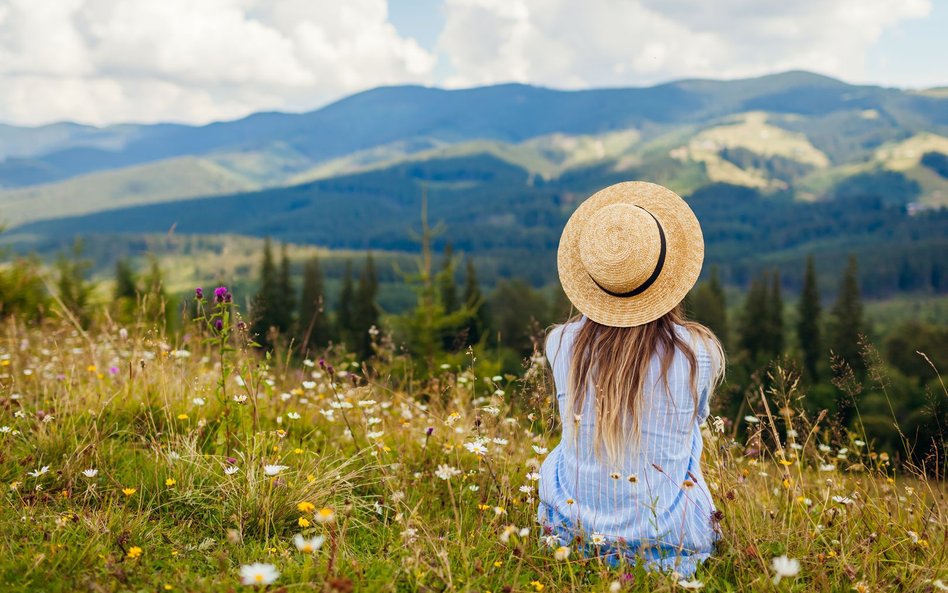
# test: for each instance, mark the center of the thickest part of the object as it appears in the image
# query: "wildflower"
(272, 470)
(231, 470)
(376, 435)
(843, 500)
(784, 567)
(533, 476)
(303, 522)
(615, 587)
(199, 293)
(134, 552)
(258, 574)
(240, 399)
(824, 448)
(718, 424)
(452, 418)
(325, 515)
(507, 532)
(687, 485)
(550, 541)
(305, 507)
(940, 585)
(198, 401)
(861, 587)
(751, 419)
(170, 482)
(476, 447)
(310, 545)
(39, 472)
(570, 501)
(827, 467)
(537, 585)
(633, 479)
(561, 553)
(446, 472)
(90, 473)
(692, 584)
(220, 294)
(597, 538)
(859, 443)
(526, 489)
(128, 491)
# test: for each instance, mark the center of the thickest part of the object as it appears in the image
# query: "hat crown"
(620, 247)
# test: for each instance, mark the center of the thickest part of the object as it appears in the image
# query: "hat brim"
(683, 259)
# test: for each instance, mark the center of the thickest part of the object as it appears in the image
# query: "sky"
(109, 61)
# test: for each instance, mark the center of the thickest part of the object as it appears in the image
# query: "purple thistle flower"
(231, 460)
(219, 324)
(220, 294)
(113, 370)
(199, 292)
(429, 431)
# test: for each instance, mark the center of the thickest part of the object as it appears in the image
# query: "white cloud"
(103, 61)
(563, 43)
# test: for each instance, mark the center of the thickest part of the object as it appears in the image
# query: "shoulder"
(560, 338)
(698, 342)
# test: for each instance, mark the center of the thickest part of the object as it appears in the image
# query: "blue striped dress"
(645, 509)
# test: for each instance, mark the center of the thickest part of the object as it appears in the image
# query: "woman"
(632, 382)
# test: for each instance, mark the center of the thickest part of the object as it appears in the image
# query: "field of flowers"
(134, 461)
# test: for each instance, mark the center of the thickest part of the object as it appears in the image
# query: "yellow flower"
(306, 507)
(787, 483)
(128, 491)
(325, 515)
(91, 368)
(785, 462)
(537, 585)
(303, 521)
(297, 450)
(484, 507)
(310, 478)
(498, 563)
(170, 482)
(570, 501)
(134, 552)
(168, 587)
(182, 416)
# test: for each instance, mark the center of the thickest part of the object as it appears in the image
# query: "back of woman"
(632, 379)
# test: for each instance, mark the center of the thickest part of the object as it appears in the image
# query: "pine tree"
(125, 281)
(707, 306)
(366, 312)
(313, 330)
(450, 301)
(267, 297)
(847, 319)
(808, 324)
(775, 318)
(285, 300)
(477, 323)
(754, 320)
(345, 312)
(446, 282)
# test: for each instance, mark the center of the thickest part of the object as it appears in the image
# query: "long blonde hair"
(615, 360)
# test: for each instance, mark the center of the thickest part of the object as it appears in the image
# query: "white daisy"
(308, 545)
(272, 470)
(258, 573)
(784, 567)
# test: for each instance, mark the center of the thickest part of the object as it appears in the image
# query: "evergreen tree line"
(761, 332)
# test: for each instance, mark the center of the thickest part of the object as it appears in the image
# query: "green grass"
(125, 405)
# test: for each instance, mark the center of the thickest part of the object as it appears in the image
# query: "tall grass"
(173, 463)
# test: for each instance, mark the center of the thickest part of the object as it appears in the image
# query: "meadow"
(135, 460)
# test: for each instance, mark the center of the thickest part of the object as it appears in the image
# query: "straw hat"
(630, 253)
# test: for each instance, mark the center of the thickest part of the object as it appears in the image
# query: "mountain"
(776, 167)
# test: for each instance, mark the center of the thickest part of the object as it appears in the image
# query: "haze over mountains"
(829, 167)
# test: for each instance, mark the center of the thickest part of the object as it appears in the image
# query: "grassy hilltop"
(135, 461)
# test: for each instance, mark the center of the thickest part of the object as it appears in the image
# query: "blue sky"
(109, 61)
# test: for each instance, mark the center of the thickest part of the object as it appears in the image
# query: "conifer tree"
(707, 306)
(285, 299)
(345, 310)
(808, 324)
(313, 324)
(847, 318)
(477, 322)
(446, 281)
(775, 318)
(754, 319)
(267, 297)
(366, 311)
(125, 281)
